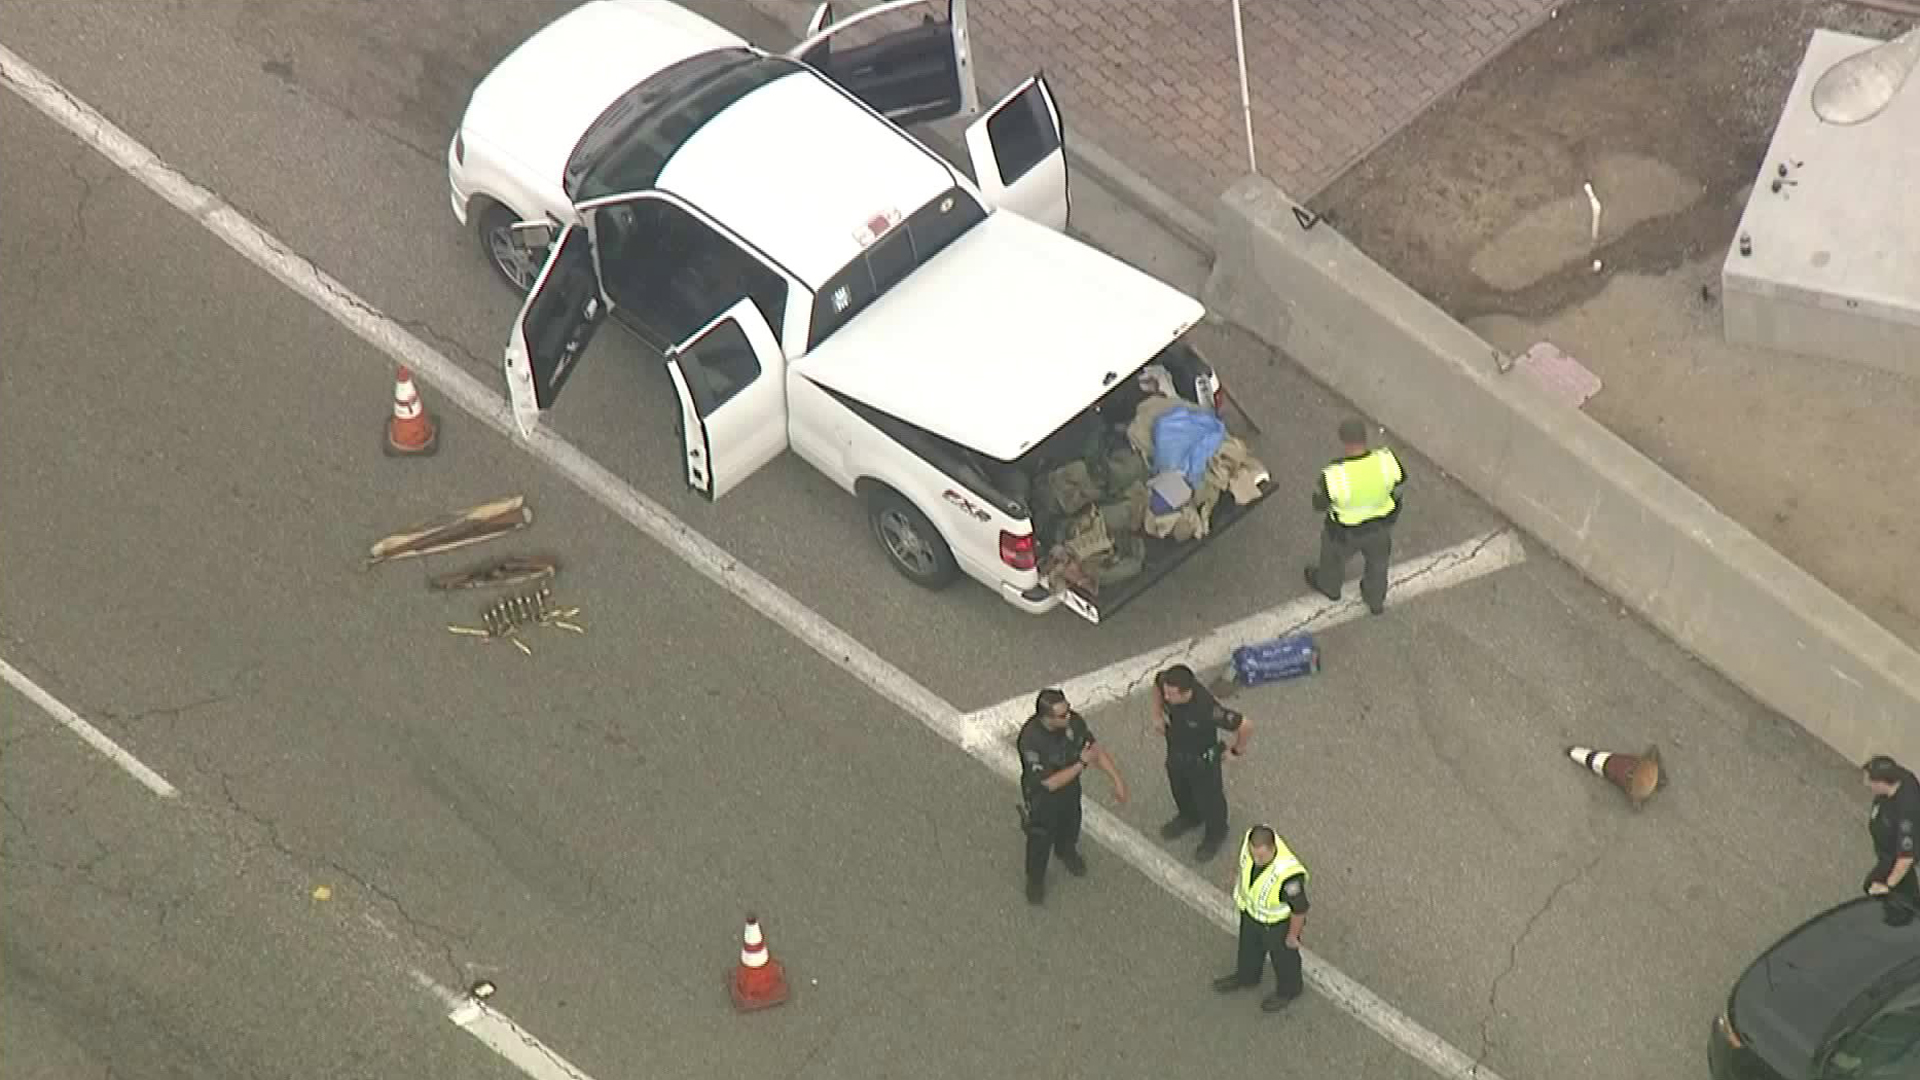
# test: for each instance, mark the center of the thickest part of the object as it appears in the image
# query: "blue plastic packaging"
(1271, 661)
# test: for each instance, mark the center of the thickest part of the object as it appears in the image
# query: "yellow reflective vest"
(1361, 489)
(1261, 898)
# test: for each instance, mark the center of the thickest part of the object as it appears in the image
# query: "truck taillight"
(1016, 551)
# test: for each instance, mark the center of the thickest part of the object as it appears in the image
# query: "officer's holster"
(1028, 825)
(1210, 756)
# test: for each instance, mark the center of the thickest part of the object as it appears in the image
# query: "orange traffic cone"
(759, 982)
(410, 431)
(1638, 776)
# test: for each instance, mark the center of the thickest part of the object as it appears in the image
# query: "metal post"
(1246, 100)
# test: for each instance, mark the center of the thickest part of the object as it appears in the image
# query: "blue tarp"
(1186, 438)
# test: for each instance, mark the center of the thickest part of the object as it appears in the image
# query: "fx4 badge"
(963, 503)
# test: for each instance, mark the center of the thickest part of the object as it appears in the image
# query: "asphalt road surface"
(190, 460)
(586, 826)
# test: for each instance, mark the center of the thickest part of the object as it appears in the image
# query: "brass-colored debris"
(505, 618)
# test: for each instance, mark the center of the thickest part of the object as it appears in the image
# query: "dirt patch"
(1568, 231)
(1666, 107)
(1694, 85)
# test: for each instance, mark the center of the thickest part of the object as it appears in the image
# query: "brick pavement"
(1155, 83)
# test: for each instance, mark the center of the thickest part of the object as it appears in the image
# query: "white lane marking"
(706, 557)
(501, 1035)
(1123, 679)
(1336, 986)
(89, 734)
(1216, 906)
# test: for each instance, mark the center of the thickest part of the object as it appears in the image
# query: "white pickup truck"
(817, 279)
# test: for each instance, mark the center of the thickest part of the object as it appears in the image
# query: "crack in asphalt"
(284, 72)
(332, 286)
(440, 938)
(1185, 645)
(420, 328)
(18, 737)
(426, 331)
(87, 190)
(531, 1043)
(169, 712)
(163, 904)
(231, 689)
(800, 1068)
(271, 239)
(339, 290)
(77, 227)
(18, 828)
(1513, 950)
(18, 648)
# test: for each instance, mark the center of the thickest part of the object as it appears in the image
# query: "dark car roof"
(1790, 998)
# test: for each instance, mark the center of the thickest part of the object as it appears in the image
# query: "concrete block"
(1833, 221)
(1629, 526)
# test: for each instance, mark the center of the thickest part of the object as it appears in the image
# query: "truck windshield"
(890, 259)
(630, 143)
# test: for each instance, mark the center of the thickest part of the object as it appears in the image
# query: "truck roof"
(798, 169)
(1003, 337)
(795, 165)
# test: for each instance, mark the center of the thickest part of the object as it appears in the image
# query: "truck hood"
(1004, 336)
(541, 99)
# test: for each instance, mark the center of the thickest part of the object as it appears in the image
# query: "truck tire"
(493, 224)
(914, 547)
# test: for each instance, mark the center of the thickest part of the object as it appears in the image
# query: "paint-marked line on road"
(456, 385)
(1123, 679)
(1216, 906)
(89, 734)
(703, 555)
(500, 1034)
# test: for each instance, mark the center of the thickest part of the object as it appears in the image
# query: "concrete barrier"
(1627, 524)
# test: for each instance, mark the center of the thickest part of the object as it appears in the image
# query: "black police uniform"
(1194, 752)
(1052, 817)
(1894, 824)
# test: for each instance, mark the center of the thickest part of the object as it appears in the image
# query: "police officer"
(1270, 889)
(1190, 718)
(1358, 492)
(1893, 823)
(1056, 746)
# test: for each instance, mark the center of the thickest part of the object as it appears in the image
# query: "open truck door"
(1019, 155)
(731, 378)
(911, 75)
(561, 313)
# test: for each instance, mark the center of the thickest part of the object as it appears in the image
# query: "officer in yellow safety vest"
(1270, 889)
(1359, 493)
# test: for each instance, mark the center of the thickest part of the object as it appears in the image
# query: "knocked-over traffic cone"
(1638, 776)
(759, 981)
(410, 431)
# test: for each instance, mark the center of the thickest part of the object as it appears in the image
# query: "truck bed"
(1163, 558)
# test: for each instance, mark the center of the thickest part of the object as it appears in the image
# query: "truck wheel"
(516, 267)
(912, 544)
